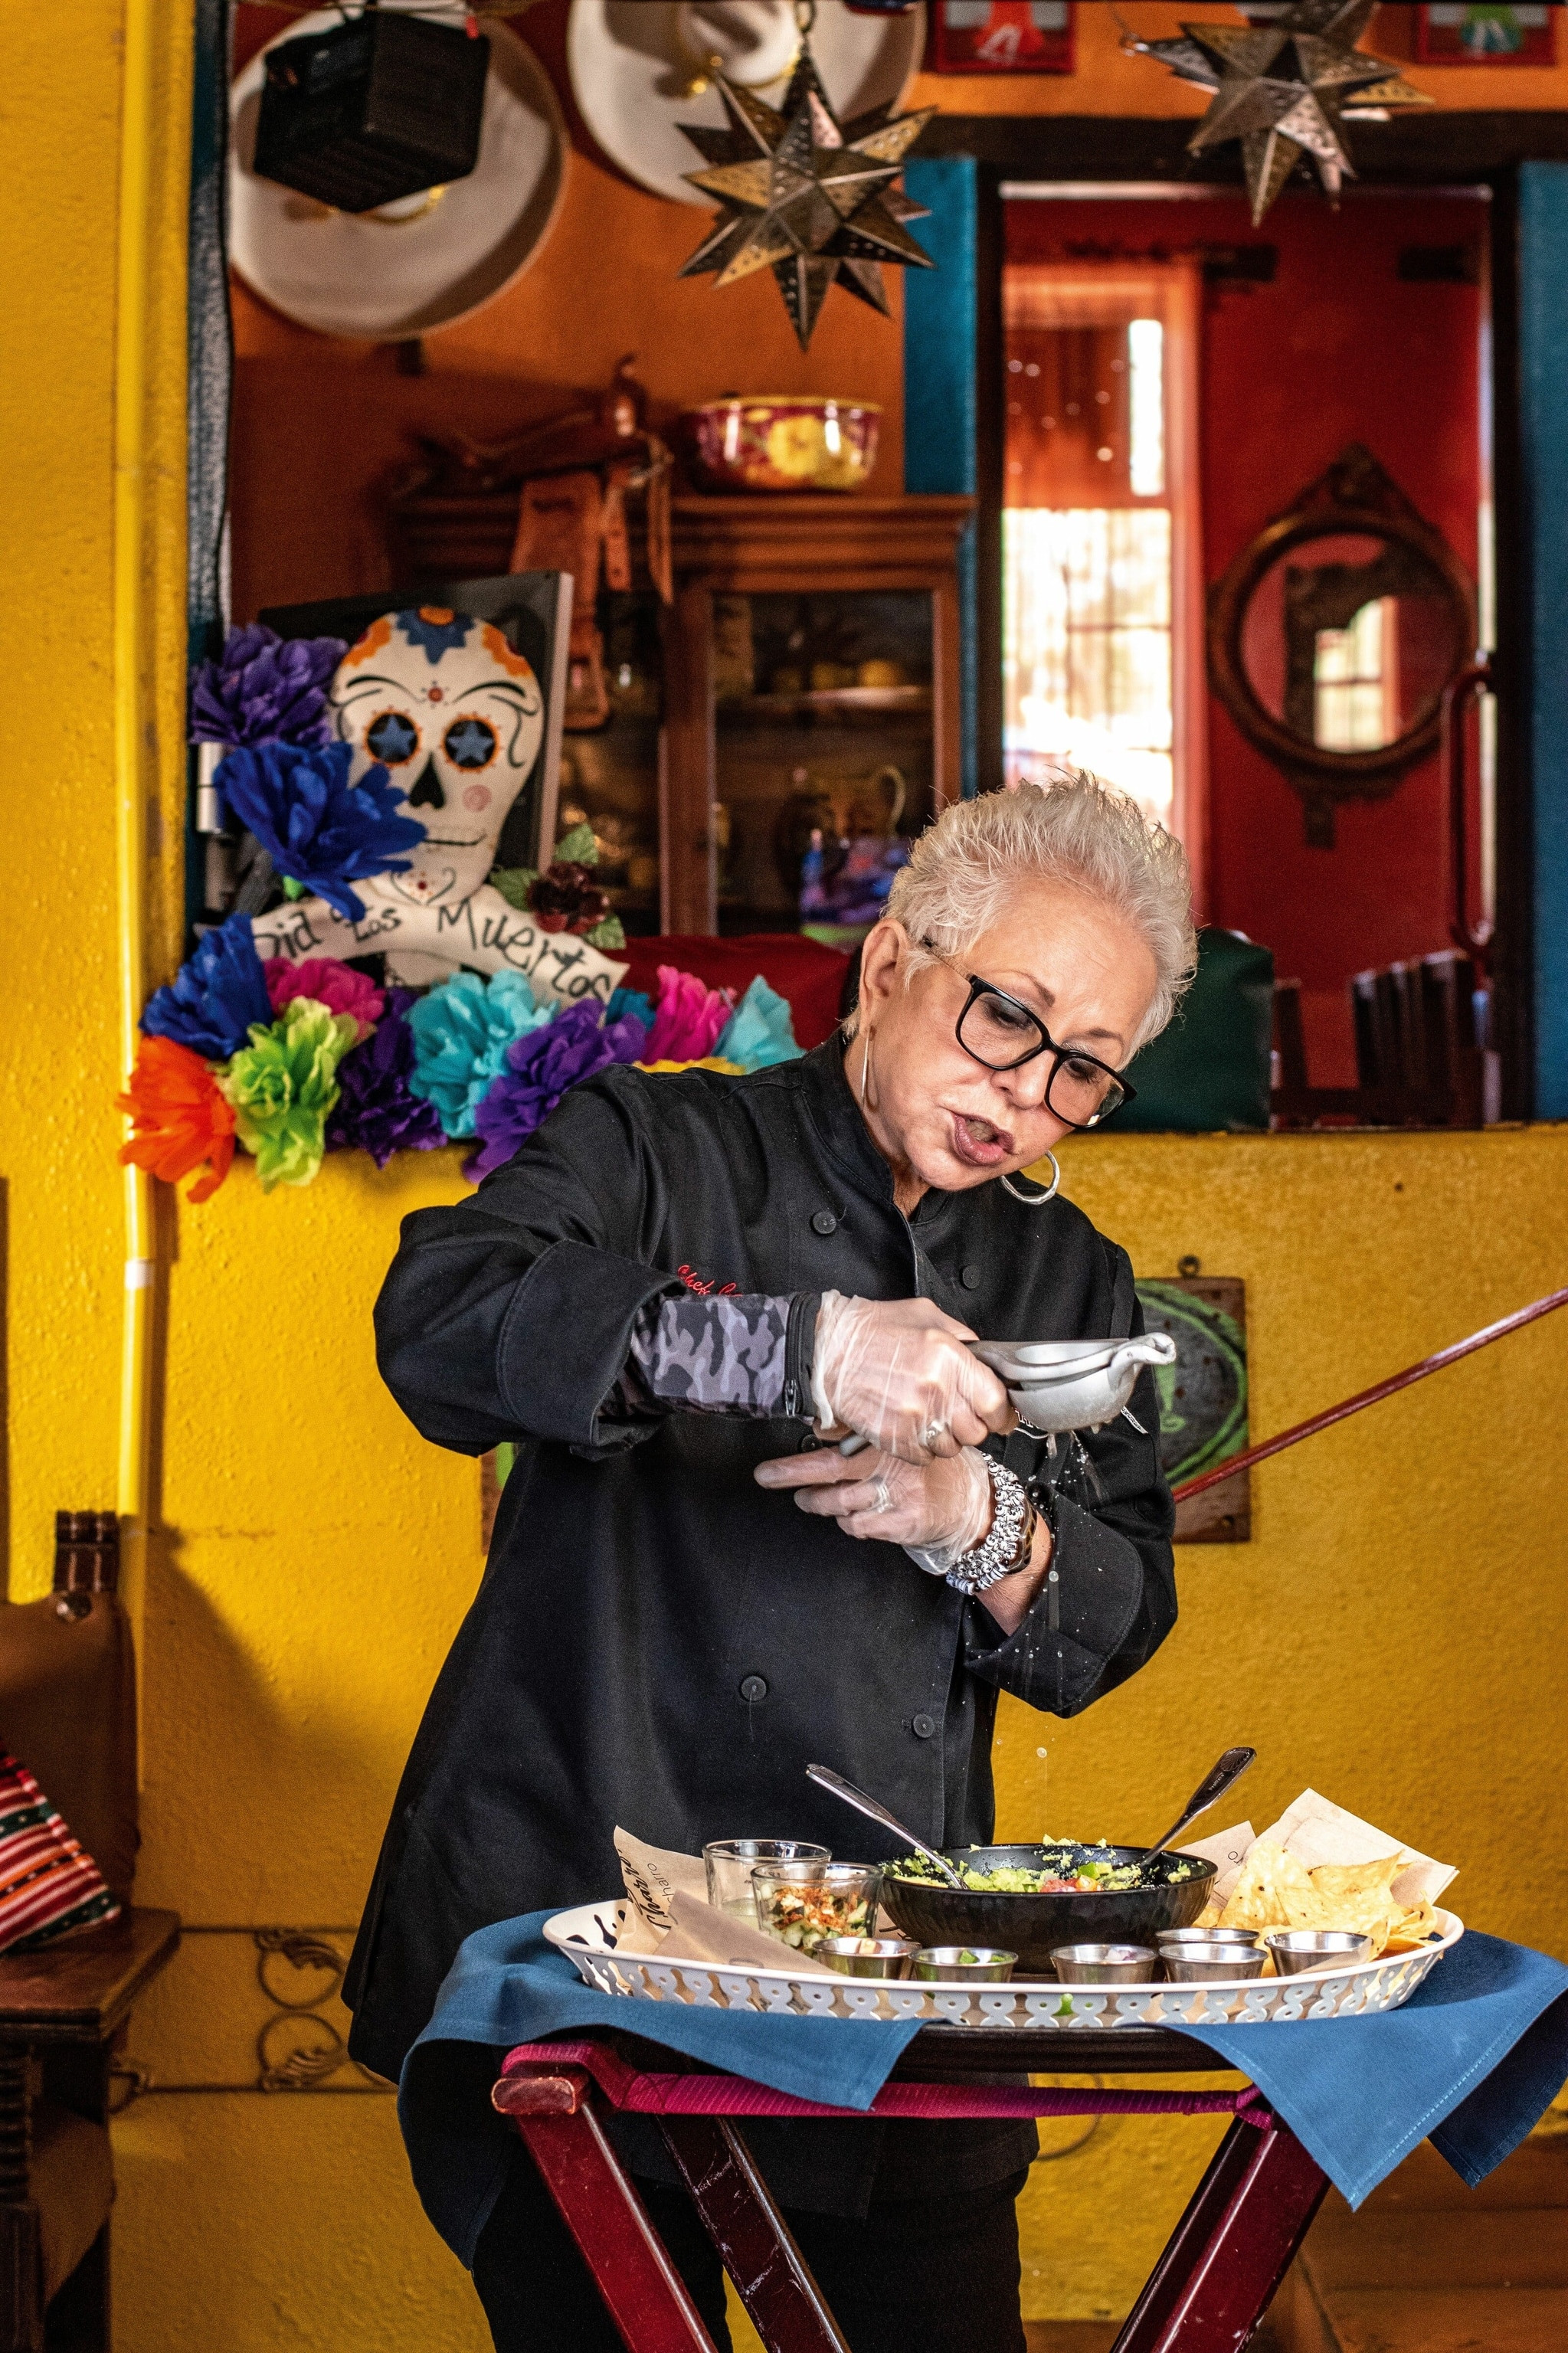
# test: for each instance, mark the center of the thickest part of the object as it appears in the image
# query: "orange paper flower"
(181, 1118)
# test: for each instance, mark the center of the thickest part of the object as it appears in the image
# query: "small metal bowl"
(1104, 1964)
(868, 1956)
(1212, 1964)
(1296, 1950)
(983, 1964)
(1171, 1940)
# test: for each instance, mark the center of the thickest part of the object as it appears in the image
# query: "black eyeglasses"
(1001, 1031)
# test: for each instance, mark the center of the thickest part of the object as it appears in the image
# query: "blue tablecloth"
(1472, 2061)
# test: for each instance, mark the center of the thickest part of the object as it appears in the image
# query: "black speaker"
(373, 110)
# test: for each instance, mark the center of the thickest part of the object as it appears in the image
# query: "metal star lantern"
(1281, 88)
(807, 196)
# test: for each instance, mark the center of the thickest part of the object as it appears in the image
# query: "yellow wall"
(1394, 1635)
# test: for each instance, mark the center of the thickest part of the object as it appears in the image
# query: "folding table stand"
(1206, 2294)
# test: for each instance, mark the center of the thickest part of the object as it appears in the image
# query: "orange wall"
(319, 423)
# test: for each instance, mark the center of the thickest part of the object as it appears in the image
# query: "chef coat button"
(924, 1727)
(970, 1278)
(753, 1687)
(823, 1222)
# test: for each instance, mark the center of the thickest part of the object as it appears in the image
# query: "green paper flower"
(283, 1085)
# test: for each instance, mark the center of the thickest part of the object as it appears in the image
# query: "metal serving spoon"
(1209, 1792)
(840, 1788)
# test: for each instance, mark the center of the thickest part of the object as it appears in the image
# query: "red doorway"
(1317, 329)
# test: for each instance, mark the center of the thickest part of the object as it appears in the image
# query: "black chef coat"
(658, 1641)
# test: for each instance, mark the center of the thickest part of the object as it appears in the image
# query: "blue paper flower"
(265, 688)
(375, 1108)
(633, 1001)
(316, 826)
(759, 1032)
(461, 1031)
(215, 997)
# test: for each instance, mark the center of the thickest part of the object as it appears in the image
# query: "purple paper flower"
(265, 688)
(316, 826)
(215, 997)
(375, 1113)
(540, 1069)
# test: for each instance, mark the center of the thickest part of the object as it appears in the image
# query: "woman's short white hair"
(1072, 829)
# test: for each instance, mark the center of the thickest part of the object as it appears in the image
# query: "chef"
(671, 1302)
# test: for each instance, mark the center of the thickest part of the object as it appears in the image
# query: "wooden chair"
(63, 2009)
(1293, 1101)
(1422, 1052)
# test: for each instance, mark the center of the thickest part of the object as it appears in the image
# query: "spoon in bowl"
(840, 1788)
(1209, 1792)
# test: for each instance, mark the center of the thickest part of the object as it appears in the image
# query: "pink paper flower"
(687, 1017)
(331, 983)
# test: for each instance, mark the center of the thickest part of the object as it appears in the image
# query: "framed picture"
(1001, 37)
(1202, 1399)
(532, 611)
(1487, 36)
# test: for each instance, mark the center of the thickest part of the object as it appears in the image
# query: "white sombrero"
(429, 260)
(642, 68)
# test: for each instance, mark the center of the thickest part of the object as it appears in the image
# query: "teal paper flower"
(461, 1031)
(759, 1031)
(282, 1086)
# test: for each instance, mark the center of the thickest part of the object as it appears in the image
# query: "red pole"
(1395, 1381)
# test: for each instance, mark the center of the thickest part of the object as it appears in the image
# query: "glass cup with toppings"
(730, 1863)
(801, 1902)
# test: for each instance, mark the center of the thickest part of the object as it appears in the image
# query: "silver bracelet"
(996, 1555)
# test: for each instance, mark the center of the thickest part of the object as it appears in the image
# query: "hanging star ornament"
(807, 196)
(1282, 90)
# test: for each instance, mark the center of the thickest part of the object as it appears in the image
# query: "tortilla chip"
(1209, 1918)
(1274, 1891)
(1412, 1929)
(1359, 1896)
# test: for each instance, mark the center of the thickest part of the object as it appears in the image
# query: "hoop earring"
(1037, 1200)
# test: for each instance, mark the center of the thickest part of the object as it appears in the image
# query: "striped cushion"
(48, 1884)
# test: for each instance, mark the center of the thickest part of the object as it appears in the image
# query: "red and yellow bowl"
(798, 442)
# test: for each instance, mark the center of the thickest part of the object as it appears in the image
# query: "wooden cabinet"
(808, 663)
(812, 655)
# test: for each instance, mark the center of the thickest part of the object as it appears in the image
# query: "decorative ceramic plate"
(587, 1936)
(634, 64)
(428, 260)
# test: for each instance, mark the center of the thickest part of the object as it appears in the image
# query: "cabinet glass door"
(822, 709)
(610, 775)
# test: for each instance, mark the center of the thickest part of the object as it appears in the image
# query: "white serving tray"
(587, 1936)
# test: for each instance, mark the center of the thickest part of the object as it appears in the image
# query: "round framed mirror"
(1334, 633)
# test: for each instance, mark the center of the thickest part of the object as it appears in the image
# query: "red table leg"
(1231, 2249)
(752, 2237)
(647, 2298)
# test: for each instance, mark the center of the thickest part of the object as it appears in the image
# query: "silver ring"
(882, 1497)
(931, 1433)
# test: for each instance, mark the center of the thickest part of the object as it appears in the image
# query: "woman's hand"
(944, 1506)
(897, 1371)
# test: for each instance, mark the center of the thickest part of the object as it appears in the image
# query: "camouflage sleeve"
(744, 1354)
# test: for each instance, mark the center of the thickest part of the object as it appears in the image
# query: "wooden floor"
(1099, 2335)
(1426, 2266)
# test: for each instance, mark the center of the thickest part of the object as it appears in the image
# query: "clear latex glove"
(936, 1511)
(897, 1371)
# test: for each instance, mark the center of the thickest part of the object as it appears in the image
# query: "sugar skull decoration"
(456, 717)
